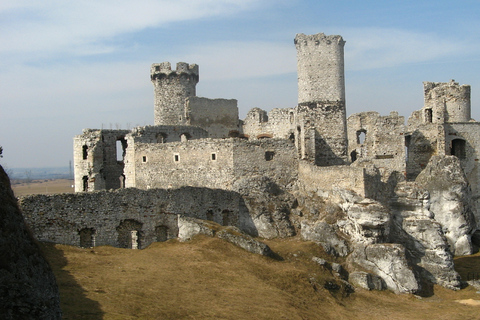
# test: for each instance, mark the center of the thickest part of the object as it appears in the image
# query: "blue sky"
(69, 65)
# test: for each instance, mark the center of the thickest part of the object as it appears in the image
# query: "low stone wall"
(109, 217)
(330, 178)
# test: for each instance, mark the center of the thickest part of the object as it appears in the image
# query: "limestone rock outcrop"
(450, 201)
(389, 262)
(28, 289)
(190, 227)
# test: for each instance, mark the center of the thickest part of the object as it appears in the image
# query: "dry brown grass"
(208, 278)
(43, 187)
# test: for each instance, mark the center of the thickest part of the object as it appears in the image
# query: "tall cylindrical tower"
(171, 88)
(320, 68)
(321, 114)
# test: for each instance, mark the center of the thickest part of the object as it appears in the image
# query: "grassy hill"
(208, 278)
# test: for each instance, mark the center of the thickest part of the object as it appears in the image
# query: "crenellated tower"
(171, 88)
(320, 113)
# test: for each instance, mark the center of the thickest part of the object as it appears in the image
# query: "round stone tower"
(171, 88)
(448, 102)
(320, 113)
(320, 68)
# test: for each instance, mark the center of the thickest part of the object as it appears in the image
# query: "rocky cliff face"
(409, 239)
(28, 289)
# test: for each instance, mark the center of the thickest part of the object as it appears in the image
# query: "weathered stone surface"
(28, 289)
(450, 201)
(325, 235)
(389, 262)
(235, 236)
(190, 227)
(366, 281)
(367, 221)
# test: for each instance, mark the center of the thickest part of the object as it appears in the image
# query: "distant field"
(208, 278)
(43, 187)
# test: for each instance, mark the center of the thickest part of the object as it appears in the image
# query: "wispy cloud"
(79, 27)
(371, 48)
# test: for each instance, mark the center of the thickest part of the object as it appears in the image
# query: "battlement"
(317, 39)
(164, 69)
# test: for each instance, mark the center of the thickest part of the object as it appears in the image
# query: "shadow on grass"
(468, 267)
(73, 299)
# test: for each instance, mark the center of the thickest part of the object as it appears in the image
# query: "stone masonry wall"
(217, 116)
(379, 139)
(278, 123)
(313, 178)
(110, 216)
(212, 163)
(95, 159)
(320, 68)
(171, 88)
(200, 163)
(447, 102)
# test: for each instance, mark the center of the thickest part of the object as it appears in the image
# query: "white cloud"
(370, 48)
(78, 26)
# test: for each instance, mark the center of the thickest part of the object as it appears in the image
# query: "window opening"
(122, 181)
(361, 136)
(85, 152)
(161, 137)
(121, 146)
(85, 183)
(214, 156)
(458, 149)
(87, 236)
(428, 115)
(144, 159)
(269, 155)
(176, 157)
(353, 155)
(209, 215)
(161, 233)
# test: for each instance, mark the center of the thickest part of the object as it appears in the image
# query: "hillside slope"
(208, 278)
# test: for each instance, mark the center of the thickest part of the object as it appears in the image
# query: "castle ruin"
(272, 172)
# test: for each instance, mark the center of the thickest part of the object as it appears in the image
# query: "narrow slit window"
(176, 157)
(214, 156)
(144, 159)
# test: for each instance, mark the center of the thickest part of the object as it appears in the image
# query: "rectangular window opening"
(214, 156)
(144, 158)
(176, 158)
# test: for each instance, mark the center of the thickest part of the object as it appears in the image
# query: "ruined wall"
(315, 179)
(278, 123)
(211, 163)
(201, 163)
(272, 158)
(217, 116)
(463, 141)
(379, 139)
(446, 102)
(108, 217)
(322, 133)
(171, 88)
(96, 166)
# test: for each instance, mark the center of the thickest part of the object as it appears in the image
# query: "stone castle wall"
(108, 217)
(219, 117)
(379, 139)
(446, 102)
(314, 179)
(278, 123)
(210, 163)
